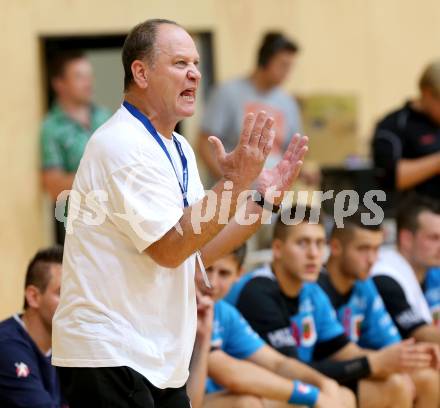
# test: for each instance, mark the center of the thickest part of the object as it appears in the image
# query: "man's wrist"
(235, 184)
(374, 361)
(259, 199)
(304, 394)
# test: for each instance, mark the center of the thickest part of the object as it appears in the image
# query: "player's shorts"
(116, 387)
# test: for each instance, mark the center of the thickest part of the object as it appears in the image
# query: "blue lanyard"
(149, 126)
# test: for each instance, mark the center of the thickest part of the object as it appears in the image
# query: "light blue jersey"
(362, 314)
(431, 290)
(233, 335)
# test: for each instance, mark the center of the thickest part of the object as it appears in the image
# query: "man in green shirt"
(69, 123)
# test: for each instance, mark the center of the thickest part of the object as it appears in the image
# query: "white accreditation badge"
(202, 268)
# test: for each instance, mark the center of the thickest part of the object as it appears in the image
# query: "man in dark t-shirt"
(406, 143)
(27, 377)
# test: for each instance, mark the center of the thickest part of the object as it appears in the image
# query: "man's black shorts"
(116, 387)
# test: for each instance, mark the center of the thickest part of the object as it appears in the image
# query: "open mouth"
(188, 95)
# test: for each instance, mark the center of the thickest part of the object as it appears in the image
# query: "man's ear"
(277, 246)
(56, 84)
(335, 247)
(140, 72)
(33, 296)
(239, 273)
(406, 239)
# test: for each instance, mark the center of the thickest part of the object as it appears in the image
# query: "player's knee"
(397, 387)
(347, 397)
(426, 381)
(248, 401)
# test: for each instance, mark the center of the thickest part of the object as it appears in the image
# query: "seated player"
(244, 371)
(284, 304)
(198, 369)
(27, 378)
(358, 305)
(409, 288)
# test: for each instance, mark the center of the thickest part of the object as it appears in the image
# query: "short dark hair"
(411, 207)
(281, 229)
(140, 44)
(239, 254)
(273, 43)
(38, 270)
(59, 61)
(351, 223)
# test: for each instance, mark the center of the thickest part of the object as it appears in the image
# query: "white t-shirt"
(392, 264)
(118, 307)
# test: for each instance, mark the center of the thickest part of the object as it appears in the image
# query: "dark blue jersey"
(27, 377)
(232, 334)
(305, 326)
(362, 314)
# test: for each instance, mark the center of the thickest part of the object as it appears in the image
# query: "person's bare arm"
(240, 168)
(244, 377)
(411, 172)
(291, 368)
(272, 184)
(428, 333)
(56, 180)
(398, 357)
(206, 153)
(198, 370)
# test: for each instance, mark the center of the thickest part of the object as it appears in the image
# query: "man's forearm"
(242, 377)
(293, 369)
(193, 232)
(55, 181)
(427, 333)
(198, 372)
(235, 233)
(411, 172)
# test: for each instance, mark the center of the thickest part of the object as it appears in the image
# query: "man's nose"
(194, 74)
(313, 250)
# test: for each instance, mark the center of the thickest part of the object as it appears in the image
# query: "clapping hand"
(273, 183)
(245, 163)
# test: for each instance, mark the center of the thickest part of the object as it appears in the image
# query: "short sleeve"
(405, 318)
(328, 326)
(432, 292)
(294, 119)
(259, 306)
(144, 202)
(21, 384)
(387, 148)
(241, 341)
(217, 113)
(378, 328)
(51, 155)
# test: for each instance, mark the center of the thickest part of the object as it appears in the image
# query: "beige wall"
(371, 48)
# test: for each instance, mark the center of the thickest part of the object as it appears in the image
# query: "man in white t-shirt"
(124, 331)
(406, 277)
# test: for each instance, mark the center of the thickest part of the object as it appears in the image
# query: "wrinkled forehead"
(174, 41)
